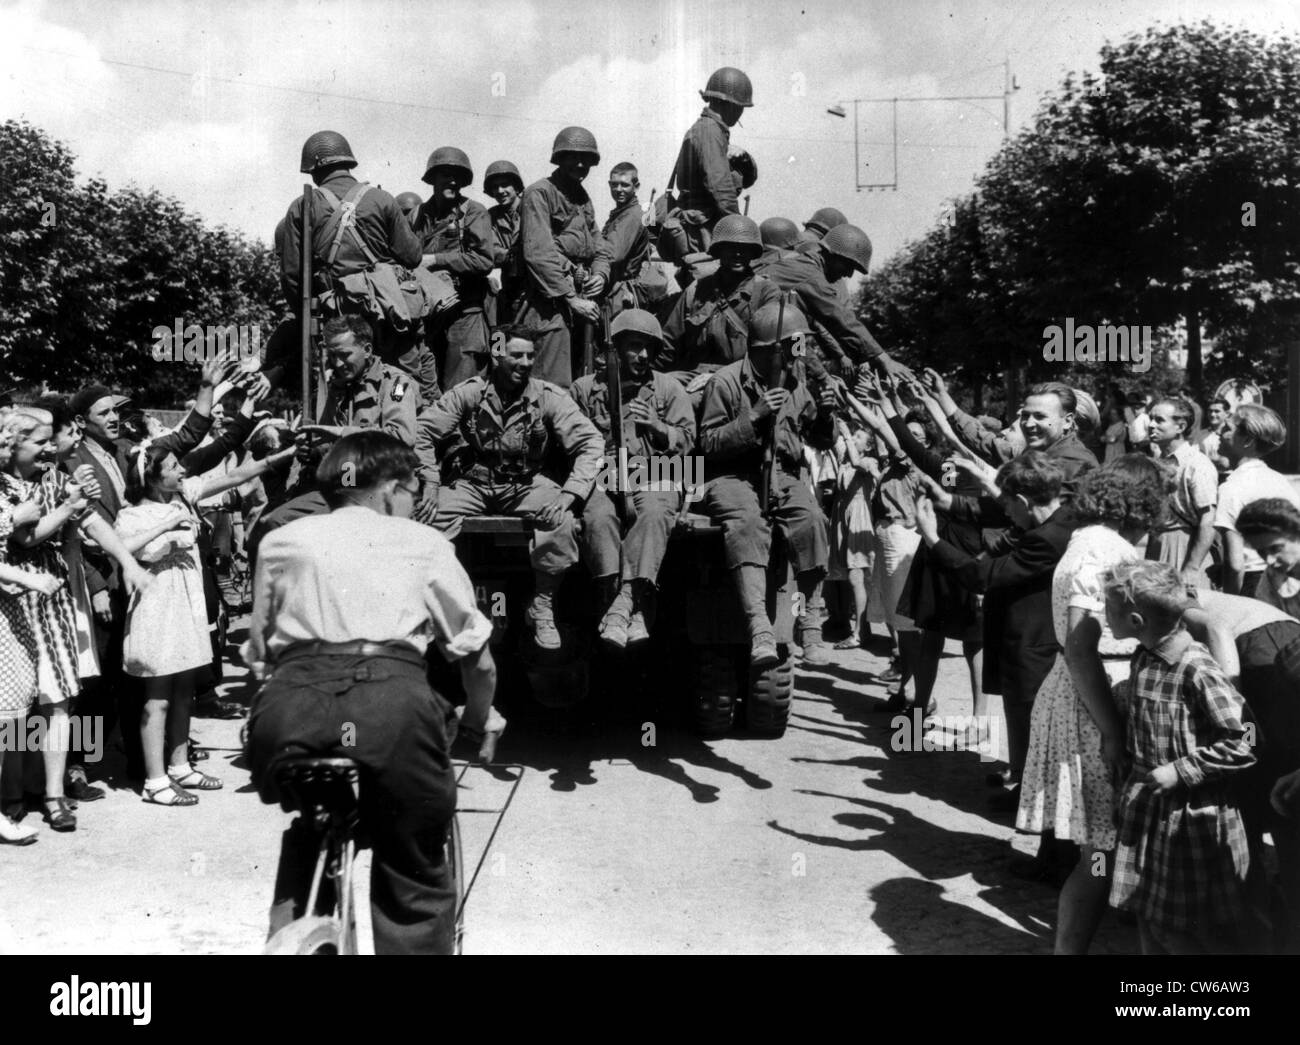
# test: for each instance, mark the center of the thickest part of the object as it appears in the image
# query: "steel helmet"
(325, 148)
(738, 229)
(447, 156)
(781, 233)
(824, 220)
(636, 321)
(575, 139)
(409, 200)
(729, 85)
(762, 324)
(503, 169)
(850, 243)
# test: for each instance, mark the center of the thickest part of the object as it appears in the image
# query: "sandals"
(169, 795)
(58, 814)
(193, 780)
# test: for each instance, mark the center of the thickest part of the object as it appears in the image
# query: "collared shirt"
(1252, 480)
(627, 242)
(517, 435)
(462, 239)
(805, 274)
(703, 176)
(708, 326)
(1196, 486)
(379, 222)
(108, 462)
(558, 231)
(733, 443)
(355, 575)
(382, 397)
(668, 398)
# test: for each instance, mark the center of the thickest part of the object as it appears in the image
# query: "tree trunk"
(1195, 364)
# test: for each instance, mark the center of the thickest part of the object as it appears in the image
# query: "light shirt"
(355, 575)
(1252, 480)
(1196, 486)
(109, 463)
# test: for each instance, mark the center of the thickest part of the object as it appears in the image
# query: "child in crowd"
(853, 543)
(1182, 857)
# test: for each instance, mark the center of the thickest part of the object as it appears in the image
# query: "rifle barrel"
(305, 249)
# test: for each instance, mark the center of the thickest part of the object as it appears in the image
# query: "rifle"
(774, 375)
(614, 392)
(305, 255)
(746, 210)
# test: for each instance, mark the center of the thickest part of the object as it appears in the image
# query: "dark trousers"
(114, 696)
(553, 344)
(460, 345)
(381, 713)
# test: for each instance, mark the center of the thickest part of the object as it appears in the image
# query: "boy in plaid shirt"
(1182, 857)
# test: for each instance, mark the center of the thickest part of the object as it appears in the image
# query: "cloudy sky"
(210, 102)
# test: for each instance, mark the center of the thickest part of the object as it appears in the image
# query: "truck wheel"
(559, 686)
(715, 691)
(767, 708)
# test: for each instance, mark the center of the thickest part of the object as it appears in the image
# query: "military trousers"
(553, 359)
(641, 551)
(552, 551)
(732, 502)
(459, 344)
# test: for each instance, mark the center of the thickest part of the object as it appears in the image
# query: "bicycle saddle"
(317, 784)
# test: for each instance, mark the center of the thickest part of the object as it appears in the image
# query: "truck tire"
(715, 690)
(767, 707)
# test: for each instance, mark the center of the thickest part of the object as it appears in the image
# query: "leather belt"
(390, 650)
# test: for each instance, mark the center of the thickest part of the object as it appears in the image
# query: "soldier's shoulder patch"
(401, 383)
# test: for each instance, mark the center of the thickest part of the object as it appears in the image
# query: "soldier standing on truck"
(754, 408)
(378, 233)
(626, 239)
(456, 235)
(707, 189)
(708, 326)
(566, 261)
(658, 424)
(503, 183)
(844, 250)
(508, 423)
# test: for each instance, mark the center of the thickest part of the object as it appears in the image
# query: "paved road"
(826, 841)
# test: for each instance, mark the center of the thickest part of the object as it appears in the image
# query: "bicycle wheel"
(314, 935)
(456, 861)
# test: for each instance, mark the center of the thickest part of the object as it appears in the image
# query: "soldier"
(823, 220)
(503, 183)
(778, 236)
(508, 422)
(456, 234)
(707, 187)
(362, 392)
(626, 239)
(410, 203)
(566, 261)
(844, 250)
(708, 326)
(658, 426)
(752, 406)
(380, 234)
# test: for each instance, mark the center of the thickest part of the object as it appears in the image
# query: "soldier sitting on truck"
(657, 423)
(757, 414)
(507, 423)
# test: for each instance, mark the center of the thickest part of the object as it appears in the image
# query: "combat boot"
(614, 625)
(541, 611)
(643, 612)
(815, 652)
(751, 583)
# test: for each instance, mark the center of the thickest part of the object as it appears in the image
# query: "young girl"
(1183, 855)
(853, 544)
(1271, 527)
(167, 625)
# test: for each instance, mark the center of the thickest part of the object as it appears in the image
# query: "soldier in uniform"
(626, 238)
(707, 187)
(757, 402)
(708, 326)
(508, 421)
(844, 250)
(410, 203)
(815, 228)
(503, 183)
(362, 393)
(379, 228)
(658, 424)
(566, 261)
(456, 234)
(778, 235)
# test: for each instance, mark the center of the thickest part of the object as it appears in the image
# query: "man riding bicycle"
(345, 606)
